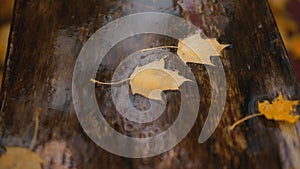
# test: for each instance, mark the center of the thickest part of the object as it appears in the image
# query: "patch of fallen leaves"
(151, 79)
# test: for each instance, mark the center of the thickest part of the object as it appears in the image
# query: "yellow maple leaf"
(151, 79)
(195, 49)
(22, 158)
(280, 109)
(19, 158)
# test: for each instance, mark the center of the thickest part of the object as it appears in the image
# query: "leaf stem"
(112, 83)
(159, 47)
(36, 129)
(244, 119)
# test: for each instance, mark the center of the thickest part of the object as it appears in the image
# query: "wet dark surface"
(46, 39)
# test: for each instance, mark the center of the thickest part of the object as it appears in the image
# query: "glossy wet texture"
(48, 35)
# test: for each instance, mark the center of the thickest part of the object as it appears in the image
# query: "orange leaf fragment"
(279, 110)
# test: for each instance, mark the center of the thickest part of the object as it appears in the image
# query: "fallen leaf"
(22, 158)
(19, 158)
(279, 110)
(195, 49)
(151, 79)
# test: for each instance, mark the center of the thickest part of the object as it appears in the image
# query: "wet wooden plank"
(47, 36)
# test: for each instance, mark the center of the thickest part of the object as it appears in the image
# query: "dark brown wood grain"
(47, 36)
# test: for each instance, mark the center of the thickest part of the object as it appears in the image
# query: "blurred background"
(6, 8)
(286, 13)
